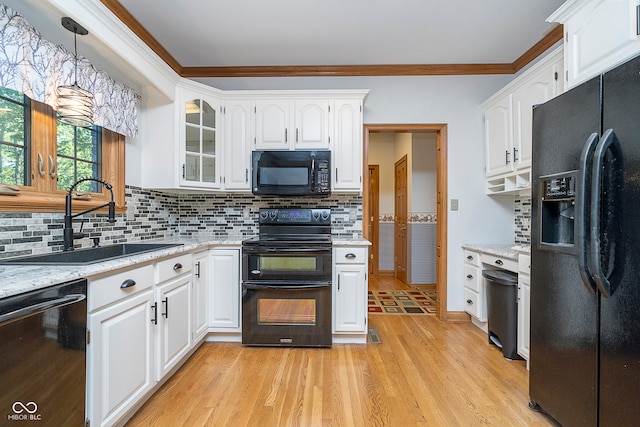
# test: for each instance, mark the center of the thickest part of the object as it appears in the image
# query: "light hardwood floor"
(423, 373)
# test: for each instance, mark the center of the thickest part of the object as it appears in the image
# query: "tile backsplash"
(522, 216)
(153, 214)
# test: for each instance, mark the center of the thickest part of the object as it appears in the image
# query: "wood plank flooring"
(423, 373)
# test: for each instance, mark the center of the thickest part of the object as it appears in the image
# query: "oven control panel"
(294, 216)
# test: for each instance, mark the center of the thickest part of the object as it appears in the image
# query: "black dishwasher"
(43, 356)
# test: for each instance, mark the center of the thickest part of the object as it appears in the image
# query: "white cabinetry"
(238, 134)
(283, 124)
(120, 359)
(599, 34)
(474, 287)
(508, 124)
(346, 156)
(524, 304)
(201, 278)
(350, 290)
(224, 291)
(173, 278)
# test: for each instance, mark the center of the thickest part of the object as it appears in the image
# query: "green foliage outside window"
(79, 156)
(14, 141)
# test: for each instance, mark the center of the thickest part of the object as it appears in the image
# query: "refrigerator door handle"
(582, 217)
(606, 208)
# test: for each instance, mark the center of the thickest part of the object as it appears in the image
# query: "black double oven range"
(286, 279)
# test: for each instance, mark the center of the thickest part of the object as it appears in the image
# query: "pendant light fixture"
(75, 105)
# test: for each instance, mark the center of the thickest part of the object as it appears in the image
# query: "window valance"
(36, 67)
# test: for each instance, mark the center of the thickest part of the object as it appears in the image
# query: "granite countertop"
(505, 250)
(17, 279)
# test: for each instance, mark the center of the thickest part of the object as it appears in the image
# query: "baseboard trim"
(386, 273)
(458, 317)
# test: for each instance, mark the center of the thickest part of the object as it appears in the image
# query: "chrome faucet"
(68, 233)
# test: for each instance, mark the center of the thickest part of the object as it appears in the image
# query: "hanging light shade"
(75, 105)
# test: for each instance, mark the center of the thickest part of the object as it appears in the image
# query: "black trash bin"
(502, 311)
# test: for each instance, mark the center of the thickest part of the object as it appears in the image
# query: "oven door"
(291, 264)
(286, 315)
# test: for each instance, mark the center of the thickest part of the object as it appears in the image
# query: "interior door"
(401, 219)
(374, 217)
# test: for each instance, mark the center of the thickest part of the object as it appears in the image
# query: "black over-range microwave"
(291, 173)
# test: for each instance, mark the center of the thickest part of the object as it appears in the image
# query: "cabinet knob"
(469, 276)
(177, 266)
(469, 302)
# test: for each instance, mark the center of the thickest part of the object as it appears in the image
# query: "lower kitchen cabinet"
(199, 287)
(120, 349)
(524, 305)
(174, 319)
(474, 288)
(350, 290)
(224, 290)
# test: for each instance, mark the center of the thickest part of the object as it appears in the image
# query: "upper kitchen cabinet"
(182, 141)
(599, 34)
(285, 124)
(199, 140)
(238, 134)
(346, 155)
(508, 124)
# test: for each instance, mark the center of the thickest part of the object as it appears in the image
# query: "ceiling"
(213, 38)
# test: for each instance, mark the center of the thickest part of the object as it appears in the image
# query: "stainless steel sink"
(88, 256)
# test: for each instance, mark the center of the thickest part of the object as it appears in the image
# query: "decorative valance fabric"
(36, 67)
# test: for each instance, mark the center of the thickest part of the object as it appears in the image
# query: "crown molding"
(331, 70)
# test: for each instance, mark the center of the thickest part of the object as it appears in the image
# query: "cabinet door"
(350, 296)
(200, 147)
(174, 321)
(524, 316)
(346, 154)
(224, 291)
(199, 287)
(237, 136)
(273, 124)
(600, 35)
(499, 137)
(120, 357)
(538, 88)
(311, 125)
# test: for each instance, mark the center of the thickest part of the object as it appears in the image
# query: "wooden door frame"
(396, 234)
(441, 200)
(374, 220)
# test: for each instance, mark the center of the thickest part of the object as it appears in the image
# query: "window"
(44, 157)
(79, 156)
(15, 117)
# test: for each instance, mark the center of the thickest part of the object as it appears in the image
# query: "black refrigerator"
(585, 253)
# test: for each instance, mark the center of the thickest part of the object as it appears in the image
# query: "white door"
(499, 138)
(174, 320)
(237, 136)
(224, 291)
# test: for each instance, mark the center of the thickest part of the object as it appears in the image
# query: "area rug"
(402, 302)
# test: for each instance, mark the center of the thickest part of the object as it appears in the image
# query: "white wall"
(424, 173)
(381, 153)
(453, 100)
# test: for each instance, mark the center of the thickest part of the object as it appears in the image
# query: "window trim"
(42, 195)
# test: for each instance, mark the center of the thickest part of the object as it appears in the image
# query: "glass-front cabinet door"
(201, 146)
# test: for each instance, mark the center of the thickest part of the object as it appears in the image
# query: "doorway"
(440, 131)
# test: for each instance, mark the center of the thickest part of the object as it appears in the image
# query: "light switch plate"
(454, 204)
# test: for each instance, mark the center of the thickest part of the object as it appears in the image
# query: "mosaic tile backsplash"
(152, 215)
(522, 215)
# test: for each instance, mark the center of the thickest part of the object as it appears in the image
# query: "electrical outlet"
(353, 214)
(454, 204)
(246, 213)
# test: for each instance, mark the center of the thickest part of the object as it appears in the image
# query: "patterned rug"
(402, 302)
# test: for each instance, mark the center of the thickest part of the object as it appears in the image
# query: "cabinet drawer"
(500, 262)
(472, 278)
(350, 255)
(474, 305)
(472, 258)
(173, 267)
(106, 290)
(524, 264)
